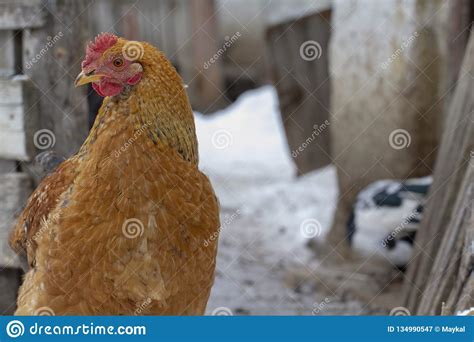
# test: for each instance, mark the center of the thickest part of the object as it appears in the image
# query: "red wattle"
(134, 79)
(96, 87)
(105, 88)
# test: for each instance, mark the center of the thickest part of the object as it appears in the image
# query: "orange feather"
(119, 228)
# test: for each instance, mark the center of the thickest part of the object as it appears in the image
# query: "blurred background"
(338, 134)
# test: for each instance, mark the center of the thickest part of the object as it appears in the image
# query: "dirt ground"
(266, 268)
(268, 218)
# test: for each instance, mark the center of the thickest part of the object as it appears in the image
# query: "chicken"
(121, 225)
(386, 217)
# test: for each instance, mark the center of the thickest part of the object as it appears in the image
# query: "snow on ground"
(267, 214)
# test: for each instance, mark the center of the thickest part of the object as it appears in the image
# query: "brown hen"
(119, 228)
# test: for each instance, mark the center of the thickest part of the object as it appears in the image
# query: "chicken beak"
(83, 78)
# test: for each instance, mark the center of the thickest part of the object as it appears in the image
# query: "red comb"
(101, 43)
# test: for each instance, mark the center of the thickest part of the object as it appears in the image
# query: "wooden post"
(18, 118)
(7, 62)
(207, 80)
(461, 15)
(298, 55)
(387, 98)
(443, 264)
(42, 46)
(60, 47)
(186, 31)
(16, 99)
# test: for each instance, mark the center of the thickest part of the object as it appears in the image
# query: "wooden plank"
(63, 110)
(466, 299)
(7, 54)
(303, 86)
(21, 14)
(7, 166)
(461, 15)
(130, 22)
(18, 118)
(207, 84)
(10, 281)
(287, 11)
(103, 14)
(14, 145)
(167, 27)
(183, 54)
(14, 190)
(439, 231)
(11, 91)
(11, 117)
(452, 266)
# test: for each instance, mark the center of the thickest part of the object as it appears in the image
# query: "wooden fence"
(441, 279)
(41, 43)
(299, 66)
(186, 31)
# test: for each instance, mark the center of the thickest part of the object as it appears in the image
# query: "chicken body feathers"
(124, 221)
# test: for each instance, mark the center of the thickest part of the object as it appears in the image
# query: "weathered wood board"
(62, 107)
(300, 71)
(7, 166)
(187, 33)
(15, 188)
(441, 269)
(10, 280)
(20, 14)
(461, 16)
(208, 82)
(18, 118)
(452, 266)
(7, 61)
(41, 39)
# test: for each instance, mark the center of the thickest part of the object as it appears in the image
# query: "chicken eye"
(118, 62)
